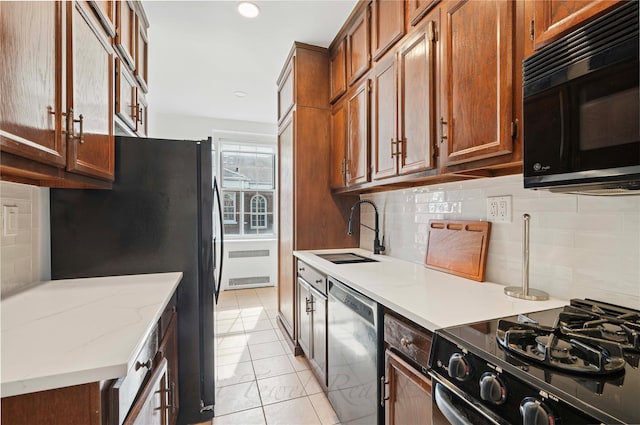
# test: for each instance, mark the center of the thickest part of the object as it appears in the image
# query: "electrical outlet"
(499, 209)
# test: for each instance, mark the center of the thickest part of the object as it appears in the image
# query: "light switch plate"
(499, 209)
(10, 220)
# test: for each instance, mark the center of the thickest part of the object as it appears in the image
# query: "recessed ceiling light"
(248, 9)
(240, 93)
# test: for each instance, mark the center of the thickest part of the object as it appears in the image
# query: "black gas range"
(576, 364)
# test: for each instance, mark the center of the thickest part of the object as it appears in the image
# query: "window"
(258, 212)
(229, 208)
(247, 176)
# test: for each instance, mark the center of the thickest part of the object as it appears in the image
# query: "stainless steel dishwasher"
(354, 370)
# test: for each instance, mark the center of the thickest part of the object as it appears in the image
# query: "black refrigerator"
(162, 215)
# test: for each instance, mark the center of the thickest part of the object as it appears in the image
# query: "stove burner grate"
(560, 349)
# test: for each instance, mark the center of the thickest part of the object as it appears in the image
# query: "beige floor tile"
(250, 322)
(272, 366)
(299, 363)
(269, 349)
(234, 373)
(309, 381)
(235, 398)
(229, 326)
(260, 337)
(253, 324)
(286, 347)
(280, 388)
(228, 314)
(246, 417)
(272, 312)
(253, 314)
(232, 355)
(298, 411)
(249, 302)
(323, 409)
(231, 340)
(279, 333)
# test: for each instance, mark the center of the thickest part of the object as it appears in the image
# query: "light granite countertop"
(430, 298)
(76, 331)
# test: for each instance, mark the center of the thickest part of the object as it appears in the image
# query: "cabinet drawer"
(408, 339)
(312, 277)
(125, 390)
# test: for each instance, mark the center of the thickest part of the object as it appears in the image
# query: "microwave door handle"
(448, 410)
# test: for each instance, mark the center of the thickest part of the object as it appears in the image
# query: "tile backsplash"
(581, 246)
(24, 254)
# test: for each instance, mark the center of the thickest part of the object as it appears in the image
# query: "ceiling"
(202, 52)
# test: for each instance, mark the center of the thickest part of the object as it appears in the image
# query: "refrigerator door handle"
(220, 221)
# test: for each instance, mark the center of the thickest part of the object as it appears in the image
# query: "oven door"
(450, 406)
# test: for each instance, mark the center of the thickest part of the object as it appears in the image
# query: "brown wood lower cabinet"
(151, 406)
(408, 393)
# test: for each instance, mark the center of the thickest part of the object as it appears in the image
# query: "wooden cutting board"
(458, 247)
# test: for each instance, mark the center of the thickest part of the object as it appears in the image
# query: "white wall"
(25, 257)
(170, 126)
(581, 246)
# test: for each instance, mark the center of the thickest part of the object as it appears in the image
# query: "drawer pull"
(319, 281)
(301, 269)
(406, 342)
(146, 364)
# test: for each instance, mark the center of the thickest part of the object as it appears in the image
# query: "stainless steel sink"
(346, 258)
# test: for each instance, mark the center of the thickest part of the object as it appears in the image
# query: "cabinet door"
(31, 81)
(90, 95)
(338, 70)
(169, 350)
(358, 135)
(142, 54)
(388, 25)
(286, 90)
(126, 32)
(416, 102)
(358, 47)
(319, 333)
(286, 280)
(554, 18)
(305, 303)
(478, 79)
(338, 144)
(417, 9)
(150, 407)
(409, 393)
(126, 104)
(384, 136)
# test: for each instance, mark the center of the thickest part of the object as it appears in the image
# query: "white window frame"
(220, 138)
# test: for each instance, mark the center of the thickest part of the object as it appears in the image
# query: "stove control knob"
(492, 389)
(534, 412)
(458, 367)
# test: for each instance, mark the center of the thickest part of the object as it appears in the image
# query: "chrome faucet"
(377, 245)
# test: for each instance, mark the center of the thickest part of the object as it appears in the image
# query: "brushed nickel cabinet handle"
(146, 364)
(405, 342)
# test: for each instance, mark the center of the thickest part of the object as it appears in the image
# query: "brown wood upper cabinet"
(387, 25)
(106, 12)
(338, 70)
(403, 128)
(56, 134)
(554, 18)
(478, 76)
(358, 109)
(142, 50)
(358, 46)
(338, 145)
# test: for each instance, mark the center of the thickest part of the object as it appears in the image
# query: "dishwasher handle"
(356, 302)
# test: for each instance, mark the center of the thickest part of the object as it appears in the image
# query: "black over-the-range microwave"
(582, 109)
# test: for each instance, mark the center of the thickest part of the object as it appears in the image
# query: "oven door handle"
(448, 410)
(443, 392)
